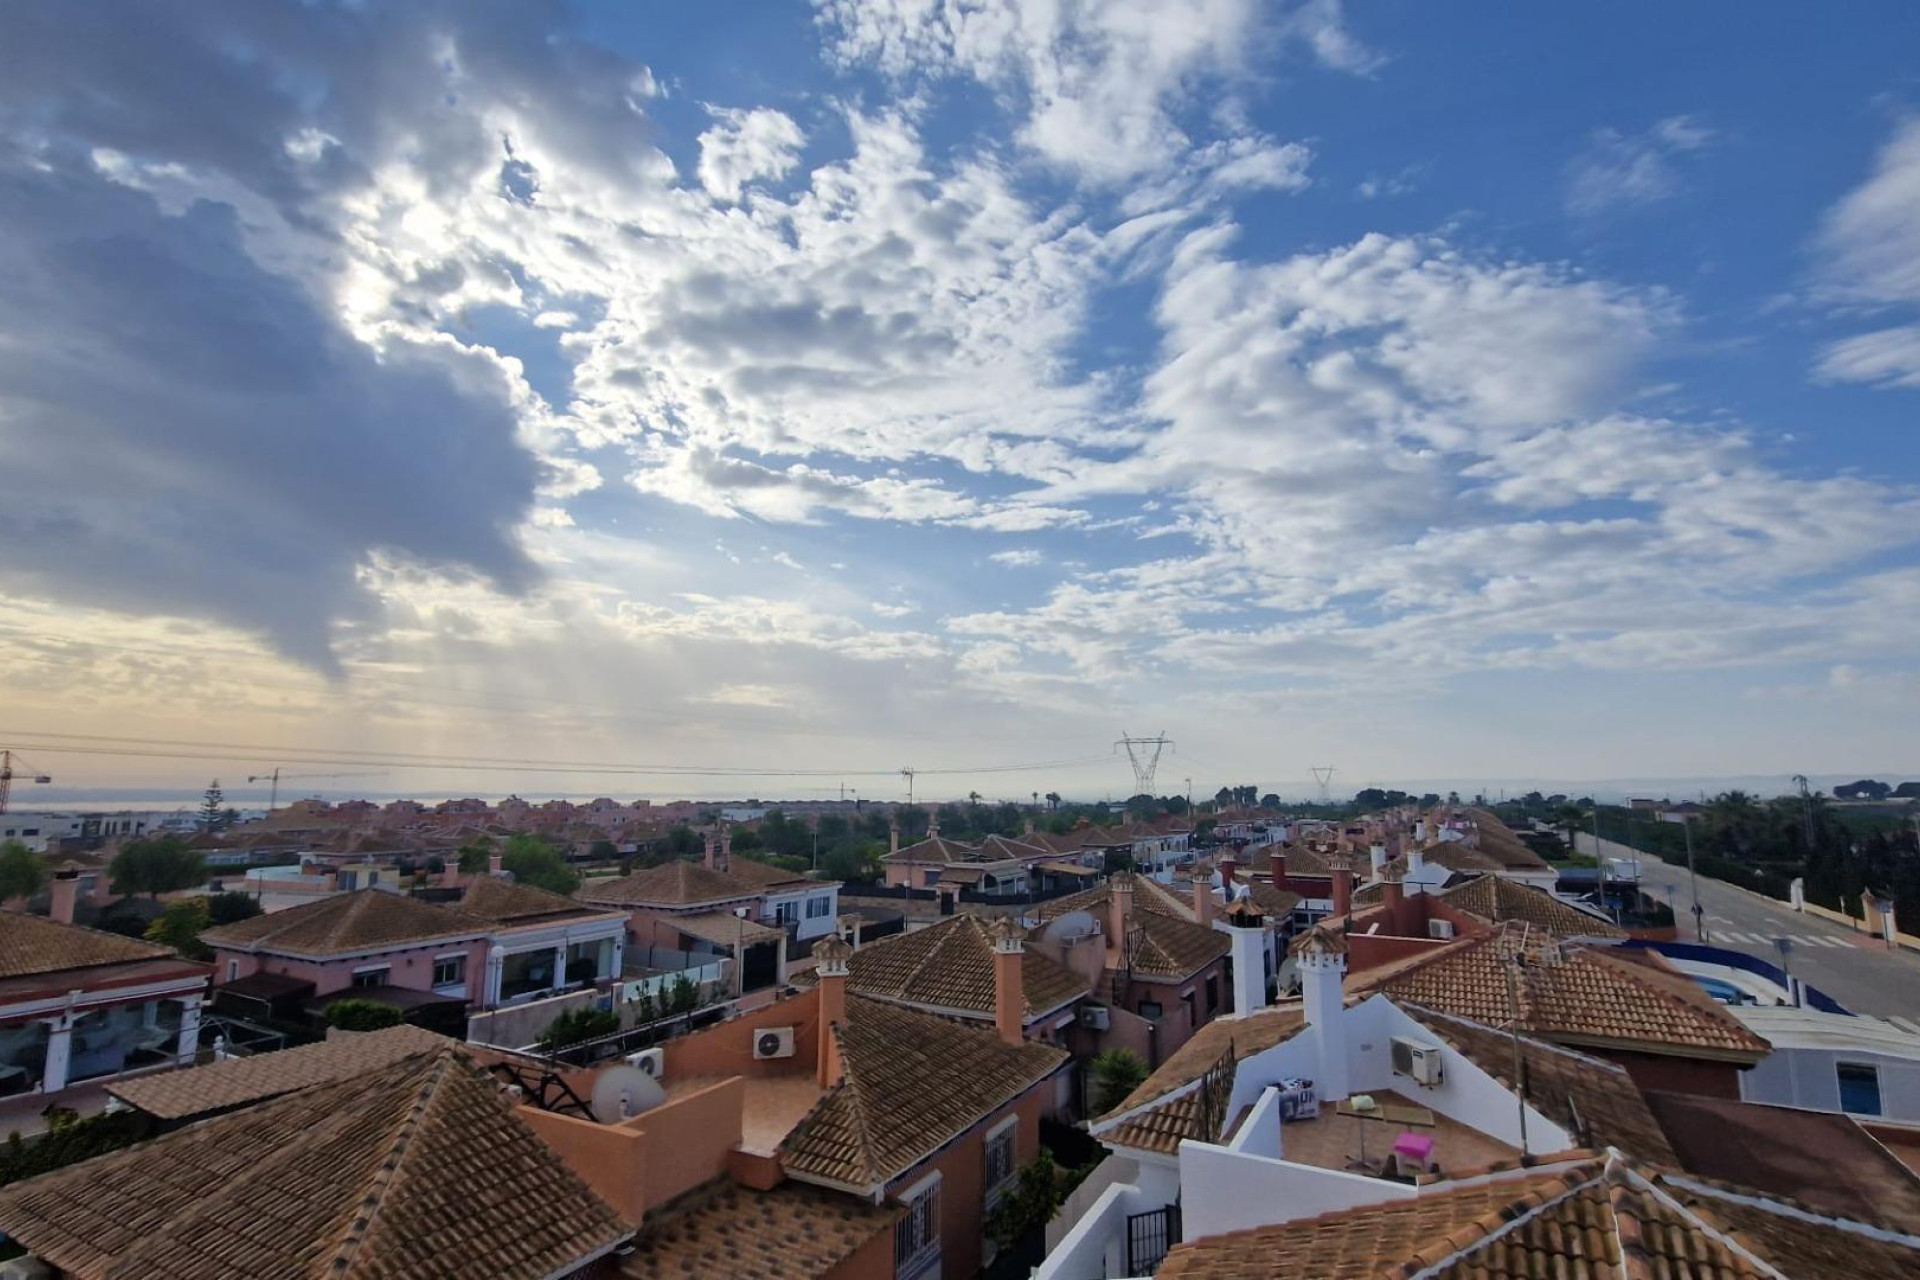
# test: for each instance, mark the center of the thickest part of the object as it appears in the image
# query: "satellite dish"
(1069, 927)
(624, 1092)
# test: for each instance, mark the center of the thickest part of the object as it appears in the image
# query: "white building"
(1832, 1062)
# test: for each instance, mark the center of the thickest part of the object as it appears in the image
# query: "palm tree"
(973, 798)
(1053, 799)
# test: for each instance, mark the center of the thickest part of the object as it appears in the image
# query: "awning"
(1068, 869)
(724, 929)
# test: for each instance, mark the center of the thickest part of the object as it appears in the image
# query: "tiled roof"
(949, 966)
(912, 1082)
(1497, 841)
(1594, 1101)
(1272, 901)
(358, 921)
(724, 929)
(34, 944)
(1494, 898)
(764, 875)
(680, 883)
(1597, 1218)
(1167, 942)
(1571, 994)
(221, 1086)
(1454, 855)
(933, 849)
(794, 1232)
(503, 901)
(1161, 1127)
(419, 1172)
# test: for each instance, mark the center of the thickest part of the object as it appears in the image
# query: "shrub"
(362, 1015)
(1116, 1073)
(576, 1025)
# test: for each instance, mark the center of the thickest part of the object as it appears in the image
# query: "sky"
(813, 391)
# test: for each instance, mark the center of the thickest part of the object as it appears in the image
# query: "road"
(1852, 967)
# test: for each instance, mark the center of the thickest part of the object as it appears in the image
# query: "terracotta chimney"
(1202, 898)
(933, 825)
(893, 835)
(710, 854)
(1342, 887)
(496, 864)
(1227, 868)
(65, 890)
(1277, 865)
(1392, 892)
(831, 954)
(726, 848)
(1009, 992)
(1120, 909)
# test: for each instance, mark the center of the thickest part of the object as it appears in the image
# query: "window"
(1859, 1088)
(233, 970)
(820, 906)
(449, 970)
(1149, 1009)
(786, 912)
(371, 977)
(916, 1237)
(1000, 1159)
(1213, 994)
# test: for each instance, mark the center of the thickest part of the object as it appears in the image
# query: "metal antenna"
(1145, 762)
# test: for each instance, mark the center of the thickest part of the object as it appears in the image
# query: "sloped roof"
(1497, 840)
(793, 1232)
(1495, 899)
(1168, 942)
(1601, 1216)
(949, 966)
(764, 875)
(911, 1082)
(680, 883)
(1595, 1101)
(220, 1086)
(1572, 994)
(1453, 855)
(724, 929)
(357, 921)
(933, 849)
(506, 902)
(34, 944)
(420, 1171)
(1162, 1127)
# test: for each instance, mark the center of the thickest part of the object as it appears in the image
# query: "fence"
(631, 989)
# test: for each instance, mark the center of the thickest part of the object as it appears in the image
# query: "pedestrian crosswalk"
(1767, 939)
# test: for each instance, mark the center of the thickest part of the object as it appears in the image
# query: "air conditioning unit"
(1095, 1017)
(1440, 928)
(651, 1061)
(1416, 1060)
(773, 1042)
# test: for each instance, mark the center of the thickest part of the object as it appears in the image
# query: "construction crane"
(273, 794)
(10, 763)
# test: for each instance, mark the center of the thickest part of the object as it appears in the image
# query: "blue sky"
(1438, 391)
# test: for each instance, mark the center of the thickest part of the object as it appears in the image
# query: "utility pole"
(1600, 854)
(908, 775)
(1513, 1032)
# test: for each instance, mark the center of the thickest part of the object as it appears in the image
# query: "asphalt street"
(1852, 967)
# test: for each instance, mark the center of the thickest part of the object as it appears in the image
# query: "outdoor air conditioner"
(1418, 1061)
(1439, 928)
(773, 1042)
(1095, 1017)
(651, 1061)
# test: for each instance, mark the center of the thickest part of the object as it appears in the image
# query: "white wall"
(1806, 1078)
(1222, 1190)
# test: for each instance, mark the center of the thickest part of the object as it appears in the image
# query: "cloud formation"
(1630, 170)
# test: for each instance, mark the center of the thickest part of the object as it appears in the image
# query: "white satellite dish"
(624, 1092)
(1070, 927)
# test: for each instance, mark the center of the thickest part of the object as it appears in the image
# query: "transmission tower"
(1324, 776)
(1144, 755)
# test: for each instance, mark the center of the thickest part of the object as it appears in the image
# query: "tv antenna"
(1144, 755)
(1323, 774)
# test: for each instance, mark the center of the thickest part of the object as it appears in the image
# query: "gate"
(1149, 1236)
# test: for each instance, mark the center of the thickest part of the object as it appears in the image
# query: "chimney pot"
(832, 954)
(65, 894)
(1009, 990)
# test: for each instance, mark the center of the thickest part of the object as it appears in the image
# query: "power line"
(187, 749)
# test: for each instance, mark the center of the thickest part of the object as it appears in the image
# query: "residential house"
(421, 1168)
(680, 914)
(1832, 1062)
(77, 1004)
(1392, 921)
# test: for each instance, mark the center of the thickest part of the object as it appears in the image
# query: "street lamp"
(1699, 912)
(1786, 949)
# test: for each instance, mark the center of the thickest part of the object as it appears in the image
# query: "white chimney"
(1378, 854)
(1321, 960)
(1248, 935)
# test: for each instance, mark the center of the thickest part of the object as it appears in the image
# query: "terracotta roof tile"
(764, 875)
(1245, 1036)
(357, 921)
(794, 1232)
(1167, 943)
(949, 966)
(420, 1172)
(503, 901)
(1571, 994)
(221, 1086)
(911, 1082)
(1496, 899)
(33, 944)
(680, 883)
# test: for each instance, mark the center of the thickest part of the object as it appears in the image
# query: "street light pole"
(1699, 912)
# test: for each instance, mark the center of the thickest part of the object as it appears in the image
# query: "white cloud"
(1620, 170)
(1886, 358)
(1869, 246)
(743, 146)
(1021, 558)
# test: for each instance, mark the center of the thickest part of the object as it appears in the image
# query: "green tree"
(228, 908)
(476, 856)
(1037, 1195)
(1116, 1073)
(533, 861)
(157, 865)
(603, 851)
(23, 872)
(179, 926)
(576, 1025)
(213, 805)
(361, 1015)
